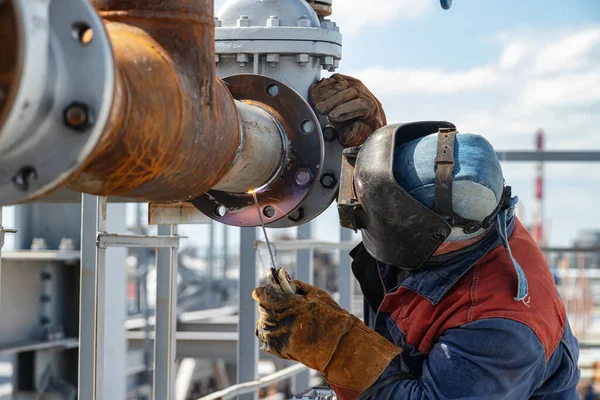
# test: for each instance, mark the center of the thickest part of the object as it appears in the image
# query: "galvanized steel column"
(304, 272)
(87, 305)
(247, 360)
(165, 327)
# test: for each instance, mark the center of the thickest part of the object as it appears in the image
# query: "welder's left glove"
(352, 109)
(315, 331)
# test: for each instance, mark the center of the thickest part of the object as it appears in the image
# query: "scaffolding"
(101, 355)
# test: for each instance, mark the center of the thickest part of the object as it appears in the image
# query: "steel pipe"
(162, 146)
(156, 123)
(262, 152)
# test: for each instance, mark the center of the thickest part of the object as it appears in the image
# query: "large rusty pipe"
(173, 132)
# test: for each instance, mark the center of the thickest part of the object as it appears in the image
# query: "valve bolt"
(303, 176)
(328, 181)
(22, 179)
(269, 211)
(297, 215)
(330, 133)
(77, 116)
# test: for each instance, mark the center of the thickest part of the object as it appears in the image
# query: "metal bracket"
(106, 240)
(177, 213)
(4, 231)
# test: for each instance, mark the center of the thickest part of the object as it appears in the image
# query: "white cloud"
(428, 80)
(353, 15)
(545, 79)
(549, 80)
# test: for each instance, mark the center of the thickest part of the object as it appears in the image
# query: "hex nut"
(269, 211)
(243, 59)
(328, 24)
(272, 59)
(297, 215)
(330, 133)
(244, 21)
(273, 21)
(327, 61)
(303, 21)
(218, 22)
(302, 59)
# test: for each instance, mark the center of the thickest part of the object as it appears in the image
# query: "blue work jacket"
(463, 333)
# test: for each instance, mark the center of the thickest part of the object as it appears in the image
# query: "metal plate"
(286, 194)
(48, 151)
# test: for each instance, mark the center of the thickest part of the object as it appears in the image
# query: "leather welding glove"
(313, 329)
(350, 107)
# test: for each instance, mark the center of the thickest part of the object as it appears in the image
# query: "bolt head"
(303, 176)
(269, 211)
(297, 215)
(77, 116)
(304, 22)
(22, 179)
(330, 133)
(328, 181)
(307, 127)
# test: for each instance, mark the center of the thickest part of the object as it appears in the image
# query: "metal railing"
(253, 386)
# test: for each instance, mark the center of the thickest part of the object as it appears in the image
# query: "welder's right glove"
(349, 106)
(313, 329)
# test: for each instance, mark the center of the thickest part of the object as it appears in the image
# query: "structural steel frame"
(96, 347)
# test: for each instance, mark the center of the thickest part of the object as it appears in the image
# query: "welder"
(461, 302)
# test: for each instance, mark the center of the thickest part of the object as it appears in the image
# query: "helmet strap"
(444, 168)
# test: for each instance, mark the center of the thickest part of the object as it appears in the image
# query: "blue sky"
(498, 68)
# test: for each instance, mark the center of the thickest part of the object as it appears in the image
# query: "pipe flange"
(63, 94)
(300, 181)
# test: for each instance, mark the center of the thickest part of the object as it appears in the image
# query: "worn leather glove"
(313, 329)
(350, 107)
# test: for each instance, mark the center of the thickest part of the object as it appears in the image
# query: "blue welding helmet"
(411, 187)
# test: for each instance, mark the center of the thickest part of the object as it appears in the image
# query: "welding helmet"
(411, 187)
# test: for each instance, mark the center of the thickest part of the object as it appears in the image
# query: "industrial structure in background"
(191, 112)
(537, 226)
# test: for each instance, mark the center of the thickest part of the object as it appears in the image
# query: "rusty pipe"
(173, 131)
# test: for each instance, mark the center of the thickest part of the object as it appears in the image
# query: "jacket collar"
(438, 276)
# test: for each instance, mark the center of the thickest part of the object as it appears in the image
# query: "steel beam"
(106, 240)
(549, 156)
(208, 345)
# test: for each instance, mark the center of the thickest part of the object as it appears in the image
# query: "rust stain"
(10, 59)
(173, 131)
